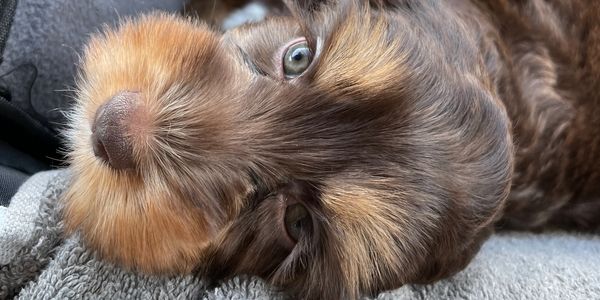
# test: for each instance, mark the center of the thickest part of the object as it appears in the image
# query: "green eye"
(297, 221)
(296, 59)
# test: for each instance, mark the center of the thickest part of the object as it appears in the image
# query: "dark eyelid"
(250, 63)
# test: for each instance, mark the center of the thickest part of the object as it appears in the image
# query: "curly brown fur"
(402, 140)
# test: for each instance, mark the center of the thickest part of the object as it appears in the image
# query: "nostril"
(99, 149)
(111, 140)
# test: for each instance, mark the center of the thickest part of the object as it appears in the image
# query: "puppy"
(345, 149)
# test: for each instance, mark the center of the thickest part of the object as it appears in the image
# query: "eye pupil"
(296, 59)
(298, 55)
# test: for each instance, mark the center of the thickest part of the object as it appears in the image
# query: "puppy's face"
(339, 151)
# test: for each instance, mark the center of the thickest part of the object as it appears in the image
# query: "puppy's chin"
(131, 224)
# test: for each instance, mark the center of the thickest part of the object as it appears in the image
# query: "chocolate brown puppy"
(345, 149)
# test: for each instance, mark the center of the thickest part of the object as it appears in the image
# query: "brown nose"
(110, 138)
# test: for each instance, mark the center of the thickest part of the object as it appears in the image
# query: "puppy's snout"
(111, 134)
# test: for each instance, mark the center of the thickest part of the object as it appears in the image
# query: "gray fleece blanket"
(38, 262)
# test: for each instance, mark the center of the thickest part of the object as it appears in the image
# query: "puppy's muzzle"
(111, 140)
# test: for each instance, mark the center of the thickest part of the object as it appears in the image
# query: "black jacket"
(27, 143)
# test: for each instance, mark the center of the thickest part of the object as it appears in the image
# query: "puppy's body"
(547, 64)
(392, 153)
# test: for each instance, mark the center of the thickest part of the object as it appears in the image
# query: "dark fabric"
(15, 167)
(10, 181)
(7, 11)
(15, 159)
(26, 134)
(26, 146)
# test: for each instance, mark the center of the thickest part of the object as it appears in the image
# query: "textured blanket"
(38, 262)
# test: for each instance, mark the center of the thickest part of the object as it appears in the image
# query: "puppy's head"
(339, 151)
